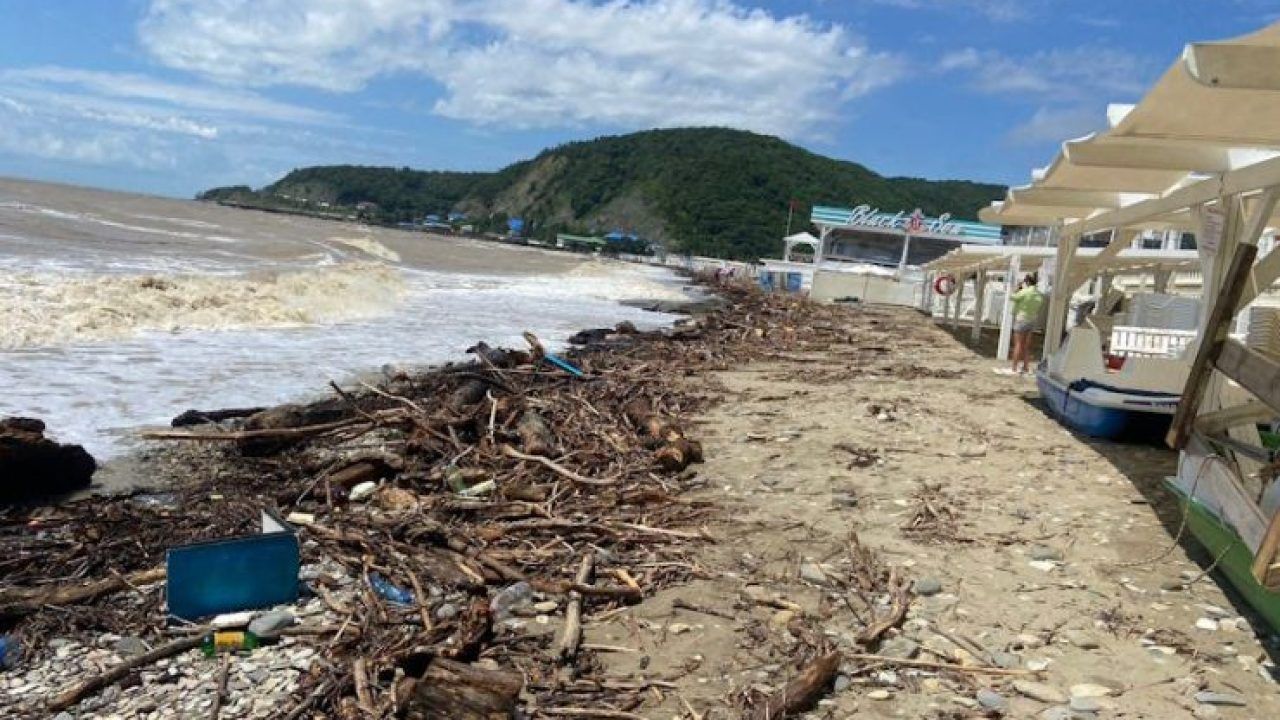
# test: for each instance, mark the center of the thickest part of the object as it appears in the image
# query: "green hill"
(707, 191)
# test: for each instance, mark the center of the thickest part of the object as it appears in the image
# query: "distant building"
(866, 235)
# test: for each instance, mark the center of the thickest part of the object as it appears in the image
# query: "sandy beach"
(1043, 549)
(889, 469)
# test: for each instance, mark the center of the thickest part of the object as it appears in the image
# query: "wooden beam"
(1212, 342)
(1248, 179)
(1234, 66)
(1219, 420)
(1255, 372)
(1121, 240)
(1147, 155)
(1265, 570)
(1267, 271)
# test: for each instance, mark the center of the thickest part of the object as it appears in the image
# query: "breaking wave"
(46, 309)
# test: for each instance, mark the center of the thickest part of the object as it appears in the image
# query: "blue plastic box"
(240, 573)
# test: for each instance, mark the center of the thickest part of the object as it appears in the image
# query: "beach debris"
(800, 693)
(363, 491)
(268, 626)
(389, 591)
(10, 651)
(237, 573)
(33, 466)
(509, 599)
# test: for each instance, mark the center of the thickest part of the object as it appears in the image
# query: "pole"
(791, 208)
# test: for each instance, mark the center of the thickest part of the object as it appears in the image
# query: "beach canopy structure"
(1011, 261)
(801, 238)
(1200, 151)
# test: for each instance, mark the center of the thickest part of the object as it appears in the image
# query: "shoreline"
(850, 453)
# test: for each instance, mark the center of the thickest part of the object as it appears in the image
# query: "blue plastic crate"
(240, 573)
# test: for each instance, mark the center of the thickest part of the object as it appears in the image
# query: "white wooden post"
(980, 299)
(906, 248)
(1006, 310)
(1162, 279)
(1060, 293)
(955, 315)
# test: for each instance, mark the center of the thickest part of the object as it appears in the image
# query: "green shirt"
(1027, 303)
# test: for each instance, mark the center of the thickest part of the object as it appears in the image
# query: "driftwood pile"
(502, 470)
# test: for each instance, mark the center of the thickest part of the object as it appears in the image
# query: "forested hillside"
(708, 191)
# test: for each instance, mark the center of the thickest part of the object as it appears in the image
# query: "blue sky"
(173, 96)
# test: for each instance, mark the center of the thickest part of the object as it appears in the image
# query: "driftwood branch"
(23, 601)
(801, 692)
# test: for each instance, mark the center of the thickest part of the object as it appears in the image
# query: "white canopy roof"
(972, 258)
(1215, 110)
(801, 237)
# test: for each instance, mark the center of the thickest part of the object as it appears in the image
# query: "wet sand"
(130, 224)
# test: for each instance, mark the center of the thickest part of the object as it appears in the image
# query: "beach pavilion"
(1201, 151)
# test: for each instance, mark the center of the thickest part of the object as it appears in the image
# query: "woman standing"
(1027, 302)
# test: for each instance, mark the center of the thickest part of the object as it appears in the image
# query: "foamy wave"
(48, 309)
(370, 247)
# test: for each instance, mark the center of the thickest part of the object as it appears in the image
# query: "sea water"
(100, 338)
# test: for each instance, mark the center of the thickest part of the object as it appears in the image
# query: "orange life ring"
(944, 284)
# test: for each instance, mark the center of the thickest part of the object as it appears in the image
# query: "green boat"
(1236, 557)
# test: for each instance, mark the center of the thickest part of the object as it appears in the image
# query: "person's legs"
(1019, 349)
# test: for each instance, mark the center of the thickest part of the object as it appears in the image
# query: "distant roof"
(867, 217)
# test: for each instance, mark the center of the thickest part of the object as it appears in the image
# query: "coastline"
(820, 425)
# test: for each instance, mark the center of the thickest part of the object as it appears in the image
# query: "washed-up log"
(649, 423)
(33, 466)
(572, 636)
(201, 417)
(535, 435)
(475, 627)
(468, 393)
(802, 692)
(358, 472)
(498, 357)
(678, 454)
(290, 416)
(674, 451)
(457, 691)
(22, 601)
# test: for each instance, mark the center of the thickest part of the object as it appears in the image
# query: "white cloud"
(997, 10)
(190, 97)
(534, 63)
(141, 123)
(1056, 124)
(1090, 74)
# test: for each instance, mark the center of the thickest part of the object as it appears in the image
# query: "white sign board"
(1213, 220)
